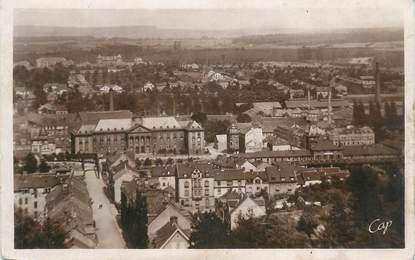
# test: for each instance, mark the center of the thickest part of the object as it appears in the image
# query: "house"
(260, 165)
(119, 157)
(49, 108)
(138, 60)
(43, 145)
(171, 236)
(109, 60)
(220, 142)
(326, 150)
(368, 82)
(311, 176)
(231, 199)
(171, 213)
(165, 176)
(195, 186)
(245, 165)
(229, 180)
(122, 173)
(247, 207)
(322, 92)
(282, 179)
(148, 86)
(279, 144)
(30, 192)
(256, 182)
(69, 205)
(48, 62)
(244, 137)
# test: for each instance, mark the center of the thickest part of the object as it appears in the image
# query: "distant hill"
(135, 32)
(325, 38)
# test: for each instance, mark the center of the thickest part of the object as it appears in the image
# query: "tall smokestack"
(174, 104)
(111, 100)
(331, 85)
(377, 78)
(308, 98)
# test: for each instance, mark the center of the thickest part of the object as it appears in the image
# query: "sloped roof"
(94, 117)
(185, 170)
(160, 171)
(128, 154)
(161, 122)
(113, 124)
(282, 172)
(166, 232)
(26, 181)
(303, 103)
(373, 149)
(325, 145)
(230, 174)
(123, 168)
(276, 154)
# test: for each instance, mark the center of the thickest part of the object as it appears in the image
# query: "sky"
(214, 19)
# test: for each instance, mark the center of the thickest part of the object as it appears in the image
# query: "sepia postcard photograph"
(186, 127)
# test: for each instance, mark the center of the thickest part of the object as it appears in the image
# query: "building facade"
(195, 186)
(353, 136)
(107, 133)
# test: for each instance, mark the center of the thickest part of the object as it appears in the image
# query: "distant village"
(276, 130)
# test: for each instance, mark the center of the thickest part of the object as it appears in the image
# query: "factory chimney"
(331, 85)
(377, 78)
(111, 100)
(308, 98)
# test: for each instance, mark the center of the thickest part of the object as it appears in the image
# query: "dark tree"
(43, 166)
(29, 233)
(30, 163)
(199, 117)
(158, 162)
(339, 230)
(307, 223)
(147, 162)
(267, 233)
(363, 184)
(243, 118)
(138, 233)
(208, 231)
(215, 127)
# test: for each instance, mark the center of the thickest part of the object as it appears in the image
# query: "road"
(108, 231)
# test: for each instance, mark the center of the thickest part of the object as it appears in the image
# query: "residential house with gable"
(195, 186)
(282, 179)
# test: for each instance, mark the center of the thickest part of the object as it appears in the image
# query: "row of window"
(196, 184)
(26, 202)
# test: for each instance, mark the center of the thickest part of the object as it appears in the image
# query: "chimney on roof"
(173, 220)
(111, 100)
